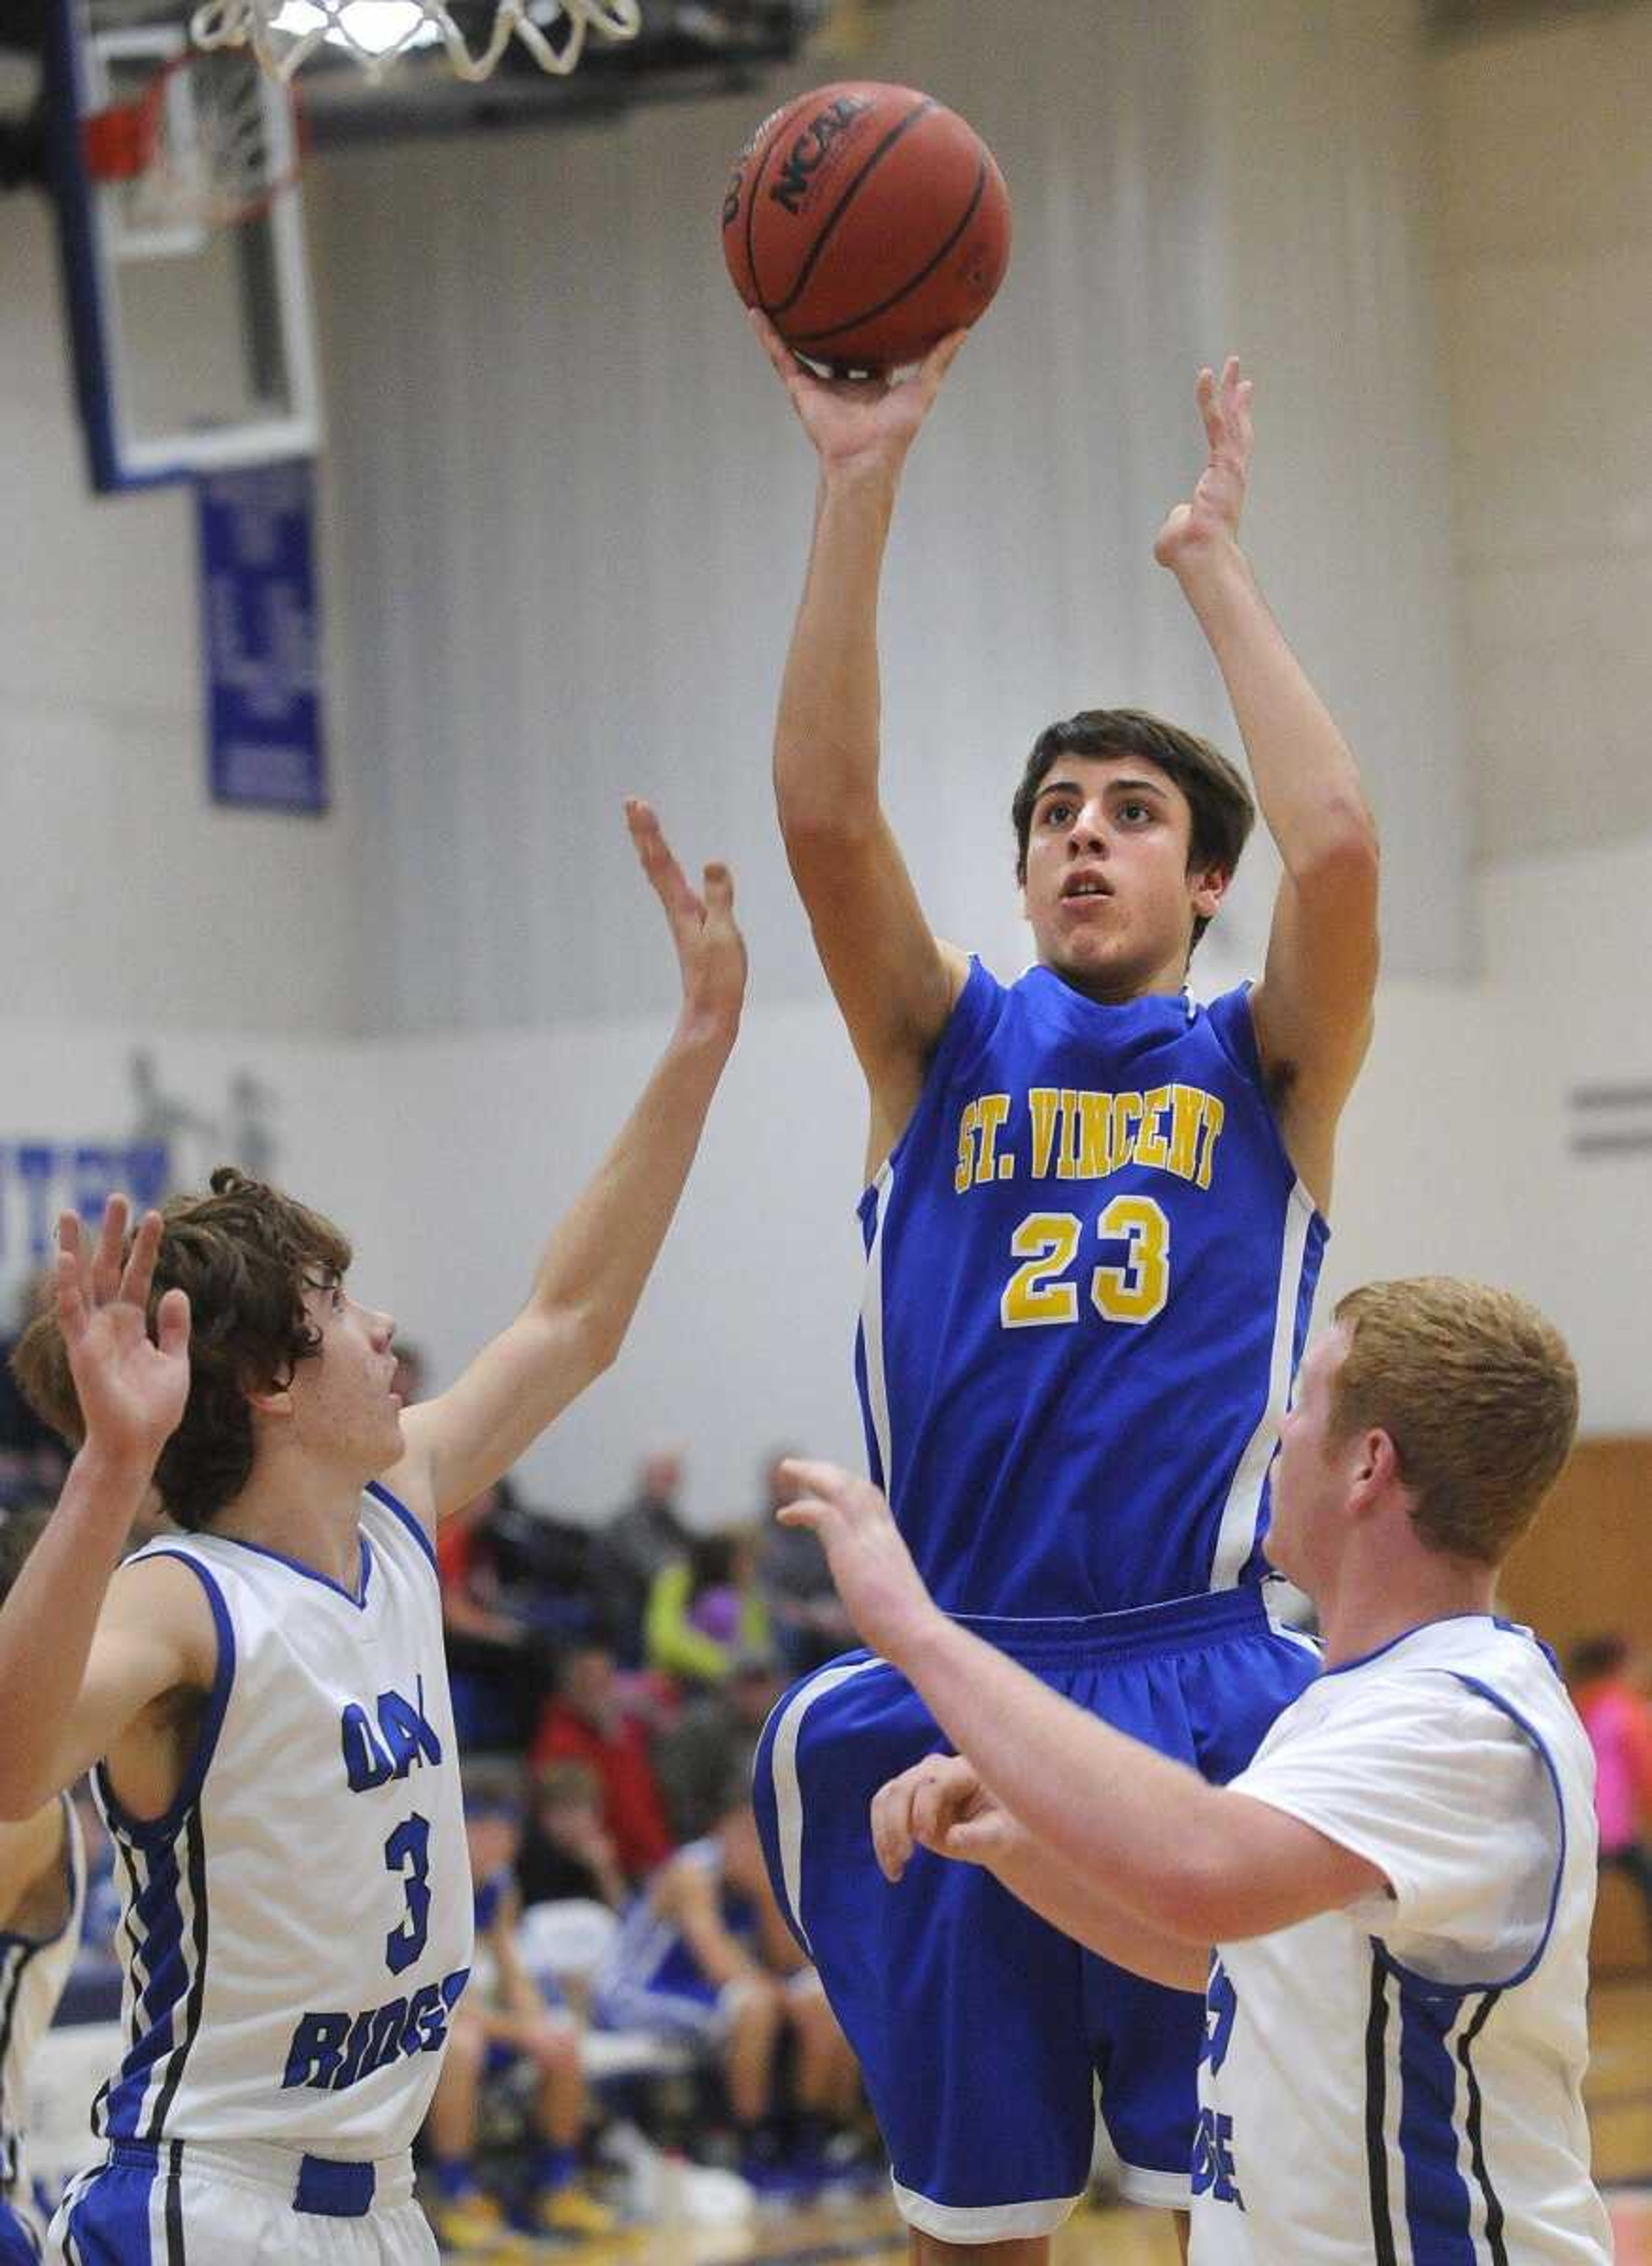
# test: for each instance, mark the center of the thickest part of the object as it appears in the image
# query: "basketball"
(866, 222)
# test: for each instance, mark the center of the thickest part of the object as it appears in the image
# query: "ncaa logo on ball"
(813, 146)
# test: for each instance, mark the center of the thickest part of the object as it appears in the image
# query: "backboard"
(192, 330)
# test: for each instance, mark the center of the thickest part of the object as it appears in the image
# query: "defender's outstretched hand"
(940, 1804)
(1212, 518)
(863, 419)
(131, 1387)
(882, 1590)
(710, 949)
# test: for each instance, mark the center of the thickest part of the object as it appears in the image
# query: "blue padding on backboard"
(71, 190)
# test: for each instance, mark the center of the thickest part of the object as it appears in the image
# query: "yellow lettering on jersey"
(1067, 1162)
(967, 1124)
(1095, 1143)
(1033, 1299)
(1151, 1147)
(1044, 1103)
(993, 1109)
(1188, 1108)
(1137, 1290)
(1127, 1115)
(1079, 1135)
(1215, 1115)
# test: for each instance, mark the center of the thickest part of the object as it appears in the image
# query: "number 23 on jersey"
(1041, 1294)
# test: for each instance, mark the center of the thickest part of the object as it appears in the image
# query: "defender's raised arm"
(601, 1253)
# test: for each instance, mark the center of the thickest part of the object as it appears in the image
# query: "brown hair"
(1223, 809)
(1479, 1395)
(246, 1254)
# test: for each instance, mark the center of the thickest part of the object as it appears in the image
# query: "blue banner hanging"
(259, 633)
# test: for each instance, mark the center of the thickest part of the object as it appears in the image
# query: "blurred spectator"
(493, 1698)
(34, 1461)
(650, 1529)
(503, 2020)
(692, 1758)
(588, 1721)
(704, 1609)
(566, 1850)
(551, 1576)
(1618, 1720)
(810, 1624)
(705, 1955)
(645, 1535)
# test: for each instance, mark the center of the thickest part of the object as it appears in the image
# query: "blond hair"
(1478, 1392)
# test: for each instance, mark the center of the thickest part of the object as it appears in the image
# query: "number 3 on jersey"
(1038, 1296)
(408, 1853)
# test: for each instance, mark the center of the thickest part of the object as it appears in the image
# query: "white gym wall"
(565, 521)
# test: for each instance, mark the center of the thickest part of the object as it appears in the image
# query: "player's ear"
(1207, 886)
(273, 1399)
(1384, 1458)
(1375, 1464)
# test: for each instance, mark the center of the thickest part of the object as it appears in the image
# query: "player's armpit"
(156, 1637)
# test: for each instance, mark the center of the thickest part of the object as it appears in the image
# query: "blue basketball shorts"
(985, 2038)
(20, 2246)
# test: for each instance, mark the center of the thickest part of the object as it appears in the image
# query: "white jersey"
(652, 1978)
(33, 1972)
(1400, 2083)
(297, 1928)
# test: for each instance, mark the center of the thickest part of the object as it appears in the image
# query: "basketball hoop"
(202, 145)
(284, 33)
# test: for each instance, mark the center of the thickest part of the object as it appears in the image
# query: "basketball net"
(204, 144)
(284, 33)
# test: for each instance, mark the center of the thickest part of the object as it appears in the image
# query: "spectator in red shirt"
(588, 1721)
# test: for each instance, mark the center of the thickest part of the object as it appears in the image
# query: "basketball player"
(42, 1896)
(264, 1696)
(1399, 1887)
(703, 1954)
(1093, 1226)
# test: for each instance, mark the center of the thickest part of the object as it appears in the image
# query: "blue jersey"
(1090, 1270)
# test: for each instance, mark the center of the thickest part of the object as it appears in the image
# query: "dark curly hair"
(246, 1255)
(1223, 810)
